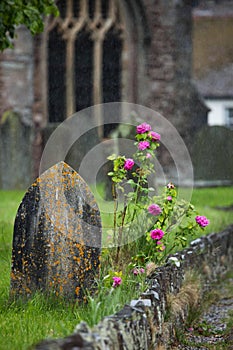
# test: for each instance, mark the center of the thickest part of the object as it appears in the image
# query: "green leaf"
(112, 157)
(131, 183)
(151, 189)
(120, 188)
(30, 13)
(116, 179)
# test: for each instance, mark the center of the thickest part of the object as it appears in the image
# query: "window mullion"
(97, 82)
(70, 108)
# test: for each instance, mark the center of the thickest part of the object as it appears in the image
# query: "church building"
(96, 51)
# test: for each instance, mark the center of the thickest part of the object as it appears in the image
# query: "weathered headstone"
(212, 155)
(57, 236)
(15, 152)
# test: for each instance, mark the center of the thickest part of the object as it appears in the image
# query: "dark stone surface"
(15, 152)
(79, 148)
(212, 154)
(57, 236)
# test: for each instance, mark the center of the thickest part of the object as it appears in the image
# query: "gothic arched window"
(84, 56)
(93, 53)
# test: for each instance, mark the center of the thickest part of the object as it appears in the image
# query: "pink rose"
(202, 221)
(156, 234)
(129, 163)
(143, 145)
(154, 209)
(169, 198)
(155, 136)
(142, 128)
(138, 271)
(116, 281)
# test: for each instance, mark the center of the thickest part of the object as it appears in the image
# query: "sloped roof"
(217, 84)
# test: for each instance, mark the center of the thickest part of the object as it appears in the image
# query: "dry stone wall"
(140, 325)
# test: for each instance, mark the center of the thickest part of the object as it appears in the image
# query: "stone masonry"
(159, 70)
(141, 324)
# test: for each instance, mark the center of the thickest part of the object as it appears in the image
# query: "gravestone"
(57, 236)
(82, 145)
(15, 152)
(212, 155)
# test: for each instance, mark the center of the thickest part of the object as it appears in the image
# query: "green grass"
(206, 199)
(25, 323)
(9, 202)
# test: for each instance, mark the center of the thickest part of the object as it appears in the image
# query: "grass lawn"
(206, 199)
(25, 323)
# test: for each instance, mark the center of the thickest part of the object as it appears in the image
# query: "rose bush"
(170, 223)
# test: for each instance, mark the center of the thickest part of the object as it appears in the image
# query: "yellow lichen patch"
(77, 290)
(75, 258)
(13, 277)
(28, 290)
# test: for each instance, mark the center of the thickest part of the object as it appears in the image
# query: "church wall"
(162, 78)
(169, 66)
(16, 103)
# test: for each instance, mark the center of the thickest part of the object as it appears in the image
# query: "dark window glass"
(230, 116)
(83, 71)
(61, 4)
(111, 72)
(105, 5)
(76, 8)
(56, 77)
(91, 8)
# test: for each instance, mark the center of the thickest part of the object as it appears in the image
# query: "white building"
(217, 91)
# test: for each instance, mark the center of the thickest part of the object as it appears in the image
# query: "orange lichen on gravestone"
(57, 236)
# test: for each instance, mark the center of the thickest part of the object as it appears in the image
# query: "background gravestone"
(15, 166)
(212, 154)
(57, 236)
(81, 146)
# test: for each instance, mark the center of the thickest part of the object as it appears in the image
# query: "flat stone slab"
(57, 236)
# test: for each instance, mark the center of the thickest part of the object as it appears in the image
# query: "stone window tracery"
(84, 56)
